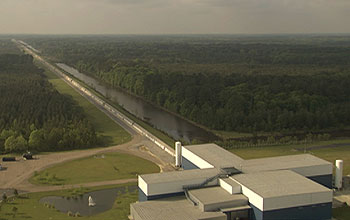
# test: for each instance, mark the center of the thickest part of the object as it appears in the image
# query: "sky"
(174, 16)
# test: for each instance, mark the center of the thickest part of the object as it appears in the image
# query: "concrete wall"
(143, 197)
(297, 200)
(176, 186)
(232, 189)
(187, 165)
(317, 170)
(321, 211)
(325, 180)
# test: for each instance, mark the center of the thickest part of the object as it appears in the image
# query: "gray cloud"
(173, 16)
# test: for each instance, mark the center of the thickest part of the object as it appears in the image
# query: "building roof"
(173, 208)
(216, 155)
(179, 176)
(218, 197)
(278, 183)
(282, 163)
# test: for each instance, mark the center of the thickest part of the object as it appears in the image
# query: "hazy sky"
(174, 16)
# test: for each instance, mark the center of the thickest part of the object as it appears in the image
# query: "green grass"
(29, 206)
(342, 213)
(329, 154)
(159, 134)
(95, 168)
(231, 134)
(109, 131)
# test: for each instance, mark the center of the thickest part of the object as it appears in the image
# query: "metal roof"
(179, 175)
(278, 183)
(282, 163)
(173, 208)
(216, 155)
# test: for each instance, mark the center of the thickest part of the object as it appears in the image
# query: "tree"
(15, 192)
(4, 197)
(16, 144)
(36, 140)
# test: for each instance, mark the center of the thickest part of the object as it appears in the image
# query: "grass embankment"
(103, 167)
(330, 153)
(109, 132)
(29, 207)
(159, 134)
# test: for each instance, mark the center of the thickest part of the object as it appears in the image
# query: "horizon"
(167, 17)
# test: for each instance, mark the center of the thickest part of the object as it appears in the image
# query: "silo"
(178, 154)
(338, 174)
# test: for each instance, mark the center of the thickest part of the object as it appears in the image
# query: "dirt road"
(16, 174)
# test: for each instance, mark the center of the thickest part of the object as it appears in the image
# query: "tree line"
(225, 83)
(33, 115)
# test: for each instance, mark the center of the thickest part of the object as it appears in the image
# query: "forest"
(265, 83)
(33, 115)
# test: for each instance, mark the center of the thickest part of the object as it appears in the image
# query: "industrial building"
(218, 185)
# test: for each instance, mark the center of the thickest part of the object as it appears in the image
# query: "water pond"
(104, 200)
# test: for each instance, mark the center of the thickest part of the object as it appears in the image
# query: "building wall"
(143, 197)
(187, 165)
(316, 170)
(321, 211)
(325, 180)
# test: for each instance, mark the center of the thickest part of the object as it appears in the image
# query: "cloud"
(173, 16)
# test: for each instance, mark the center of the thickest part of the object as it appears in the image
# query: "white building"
(216, 184)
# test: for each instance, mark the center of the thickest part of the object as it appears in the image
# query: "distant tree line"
(33, 115)
(233, 84)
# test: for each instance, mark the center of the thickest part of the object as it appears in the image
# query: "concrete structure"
(178, 158)
(338, 174)
(216, 184)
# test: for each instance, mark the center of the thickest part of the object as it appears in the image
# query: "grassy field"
(109, 132)
(330, 154)
(342, 213)
(29, 207)
(111, 166)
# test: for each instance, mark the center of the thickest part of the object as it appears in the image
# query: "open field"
(28, 206)
(330, 153)
(342, 213)
(111, 133)
(101, 167)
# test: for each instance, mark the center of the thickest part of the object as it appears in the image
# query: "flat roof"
(216, 155)
(278, 183)
(179, 175)
(213, 195)
(173, 208)
(282, 163)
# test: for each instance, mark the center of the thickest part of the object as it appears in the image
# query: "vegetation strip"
(102, 103)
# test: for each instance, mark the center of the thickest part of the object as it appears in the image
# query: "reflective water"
(104, 200)
(173, 125)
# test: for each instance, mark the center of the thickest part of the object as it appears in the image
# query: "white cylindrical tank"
(338, 174)
(178, 154)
